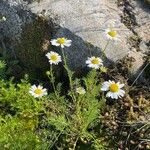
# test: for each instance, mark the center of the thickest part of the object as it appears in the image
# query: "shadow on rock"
(145, 5)
(34, 43)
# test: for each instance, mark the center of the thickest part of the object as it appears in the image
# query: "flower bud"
(48, 73)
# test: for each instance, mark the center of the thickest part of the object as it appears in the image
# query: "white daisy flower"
(94, 62)
(114, 89)
(62, 42)
(3, 18)
(112, 34)
(54, 58)
(37, 91)
(80, 90)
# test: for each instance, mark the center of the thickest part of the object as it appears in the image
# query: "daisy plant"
(64, 42)
(114, 90)
(54, 58)
(111, 34)
(37, 91)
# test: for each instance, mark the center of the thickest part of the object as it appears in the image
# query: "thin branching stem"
(69, 75)
(103, 51)
(75, 143)
(56, 139)
(53, 82)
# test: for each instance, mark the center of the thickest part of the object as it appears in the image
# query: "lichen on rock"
(17, 15)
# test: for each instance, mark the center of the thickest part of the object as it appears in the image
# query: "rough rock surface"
(86, 20)
(136, 16)
(82, 21)
(16, 16)
(142, 15)
(21, 38)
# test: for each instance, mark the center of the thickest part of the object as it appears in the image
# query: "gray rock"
(86, 22)
(16, 16)
(148, 1)
(137, 13)
(142, 15)
(81, 21)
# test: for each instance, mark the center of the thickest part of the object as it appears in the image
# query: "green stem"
(69, 74)
(56, 139)
(78, 112)
(53, 80)
(75, 143)
(103, 51)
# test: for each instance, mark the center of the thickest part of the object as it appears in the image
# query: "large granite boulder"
(17, 15)
(22, 35)
(30, 26)
(136, 15)
(87, 20)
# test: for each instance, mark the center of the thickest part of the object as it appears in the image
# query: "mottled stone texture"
(82, 21)
(86, 20)
(142, 15)
(22, 37)
(139, 12)
(16, 17)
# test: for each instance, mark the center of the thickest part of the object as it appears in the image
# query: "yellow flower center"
(95, 61)
(114, 88)
(61, 40)
(112, 33)
(38, 91)
(53, 57)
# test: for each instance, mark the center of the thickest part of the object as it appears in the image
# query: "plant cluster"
(96, 113)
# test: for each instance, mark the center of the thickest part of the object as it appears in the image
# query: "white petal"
(40, 87)
(62, 45)
(104, 88)
(121, 85)
(121, 92)
(88, 62)
(68, 43)
(114, 96)
(108, 94)
(31, 92)
(33, 87)
(48, 55)
(54, 42)
(96, 66)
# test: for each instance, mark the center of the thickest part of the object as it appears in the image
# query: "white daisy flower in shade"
(80, 90)
(37, 91)
(114, 89)
(94, 62)
(62, 42)
(3, 18)
(54, 58)
(112, 34)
